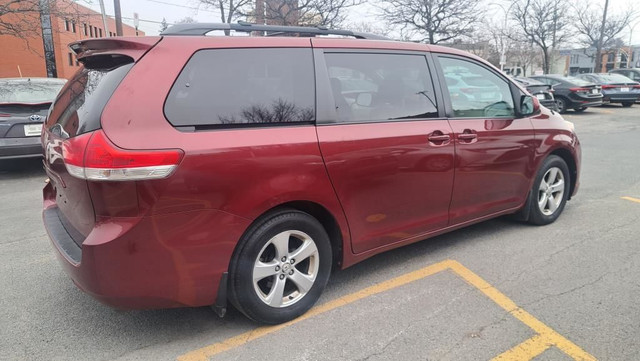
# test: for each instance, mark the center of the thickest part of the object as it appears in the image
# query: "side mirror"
(364, 99)
(529, 105)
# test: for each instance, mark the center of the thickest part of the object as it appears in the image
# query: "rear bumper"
(621, 97)
(24, 147)
(149, 261)
(586, 103)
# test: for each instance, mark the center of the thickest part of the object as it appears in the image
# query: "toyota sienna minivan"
(192, 170)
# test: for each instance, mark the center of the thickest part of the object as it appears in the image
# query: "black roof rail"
(271, 30)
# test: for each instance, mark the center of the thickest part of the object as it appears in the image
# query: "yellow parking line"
(631, 199)
(206, 352)
(525, 317)
(526, 350)
(548, 335)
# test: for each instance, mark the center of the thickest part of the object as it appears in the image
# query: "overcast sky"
(151, 13)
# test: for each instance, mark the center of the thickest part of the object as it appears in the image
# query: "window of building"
(71, 59)
(100, 33)
(244, 87)
(91, 31)
(85, 33)
(66, 25)
(374, 87)
(477, 91)
(73, 26)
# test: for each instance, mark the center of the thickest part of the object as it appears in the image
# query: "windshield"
(29, 91)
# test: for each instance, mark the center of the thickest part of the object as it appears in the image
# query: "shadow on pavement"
(20, 168)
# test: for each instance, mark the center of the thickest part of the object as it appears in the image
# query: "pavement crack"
(550, 295)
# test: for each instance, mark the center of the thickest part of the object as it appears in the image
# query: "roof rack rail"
(271, 30)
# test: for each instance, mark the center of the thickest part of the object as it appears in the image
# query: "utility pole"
(118, 13)
(104, 19)
(598, 68)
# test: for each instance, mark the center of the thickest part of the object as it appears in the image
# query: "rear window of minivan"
(244, 87)
(79, 105)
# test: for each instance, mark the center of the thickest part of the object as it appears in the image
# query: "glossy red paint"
(392, 181)
(167, 242)
(493, 166)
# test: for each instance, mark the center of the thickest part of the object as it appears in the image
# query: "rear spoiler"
(131, 46)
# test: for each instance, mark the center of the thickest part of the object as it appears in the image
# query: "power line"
(182, 6)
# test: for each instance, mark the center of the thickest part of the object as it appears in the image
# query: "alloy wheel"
(286, 268)
(551, 191)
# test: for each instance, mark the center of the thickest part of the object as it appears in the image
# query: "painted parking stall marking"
(637, 200)
(544, 339)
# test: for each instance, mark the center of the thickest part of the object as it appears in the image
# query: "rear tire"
(561, 103)
(627, 104)
(550, 191)
(280, 268)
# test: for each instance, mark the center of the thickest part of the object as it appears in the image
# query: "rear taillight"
(636, 86)
(579, 89)
(608, 86)
(4, 115)
(92, 156)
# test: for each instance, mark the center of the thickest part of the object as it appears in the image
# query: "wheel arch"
(317, 211)
(327, 220)
(567, 156)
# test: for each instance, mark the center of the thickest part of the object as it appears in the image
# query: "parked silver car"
(24, 103)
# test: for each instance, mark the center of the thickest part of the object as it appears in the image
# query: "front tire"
(281, 267)
(580, 110)
(550, 191)
(627, 104)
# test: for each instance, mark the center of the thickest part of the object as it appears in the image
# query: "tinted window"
(478, 92)
(243, 87)
(577, 81)
(370, 87)
(614, 78)
(550, 81)
(529, 81)
(79, 106)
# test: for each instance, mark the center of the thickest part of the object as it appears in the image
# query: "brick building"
(69, 22)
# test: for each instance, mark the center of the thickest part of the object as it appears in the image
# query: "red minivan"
(192, 170)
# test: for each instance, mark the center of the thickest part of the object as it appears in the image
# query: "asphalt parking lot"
(496, 290)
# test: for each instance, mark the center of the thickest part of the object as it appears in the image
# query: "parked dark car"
(544, 92)
(572, 93)
(616, 88)
(192, 170)
(24, 103)
(631, 73)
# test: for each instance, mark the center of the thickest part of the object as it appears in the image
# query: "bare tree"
(328, 13)
(229, 10)
(163, 25)
(594, 34)
(367, 27)
(436, 21)
(21, 18)
(543, 22)
(525, 55)
(186, 20)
